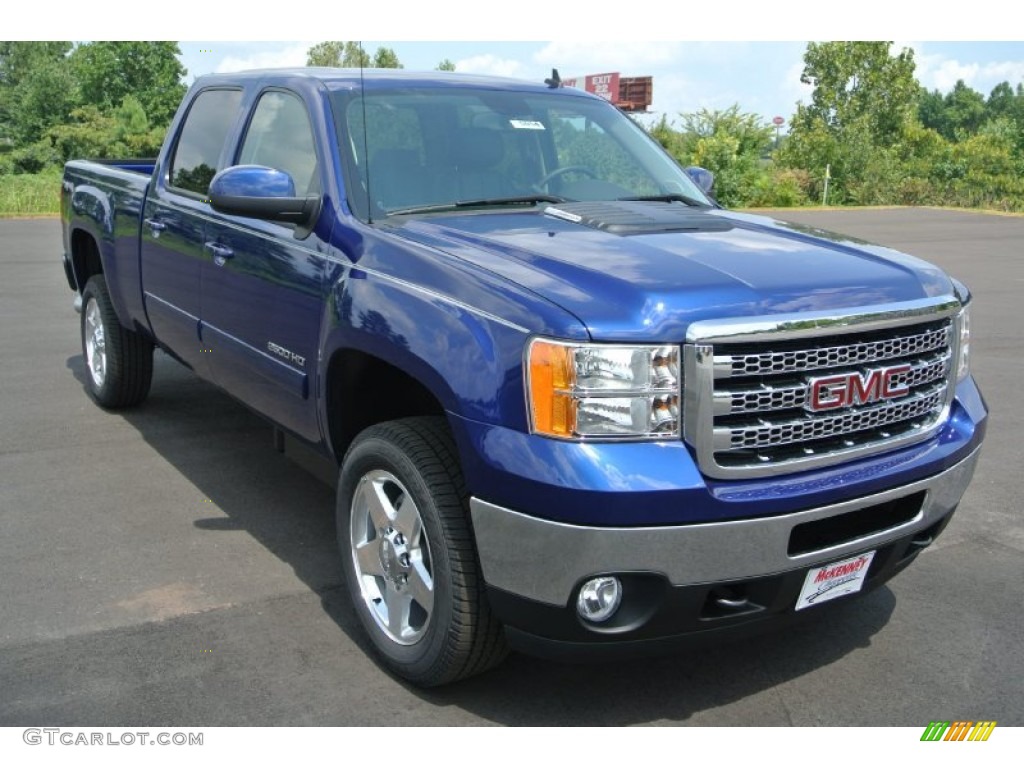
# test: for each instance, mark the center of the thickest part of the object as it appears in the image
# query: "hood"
(645, 271)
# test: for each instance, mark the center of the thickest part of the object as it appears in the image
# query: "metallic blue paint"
(634, 484)
(651, 287)
(252, 181)
(105, 204)
(702, 177)
(452, 300)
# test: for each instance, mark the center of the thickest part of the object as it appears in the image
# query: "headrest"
(478, 149)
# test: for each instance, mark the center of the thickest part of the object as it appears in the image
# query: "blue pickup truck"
(573, 406)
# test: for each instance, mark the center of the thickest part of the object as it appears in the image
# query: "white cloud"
(585, 58)
(793, 88)
(489, 64)
(673, 94)
(294, 55)
(936, 71)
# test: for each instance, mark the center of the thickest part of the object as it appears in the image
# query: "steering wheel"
(548, 178)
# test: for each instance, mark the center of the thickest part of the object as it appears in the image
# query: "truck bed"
(106, 198)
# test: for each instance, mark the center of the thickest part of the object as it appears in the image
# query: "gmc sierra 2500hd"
(573, 405)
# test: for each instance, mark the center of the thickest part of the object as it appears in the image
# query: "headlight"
(603, 390)
(963, 365)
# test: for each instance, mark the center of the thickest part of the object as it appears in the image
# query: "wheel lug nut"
(404, 560)
(399, 539)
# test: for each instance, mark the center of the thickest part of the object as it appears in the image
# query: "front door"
(263, 289)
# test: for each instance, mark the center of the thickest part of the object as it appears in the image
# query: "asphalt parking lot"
(167, 566)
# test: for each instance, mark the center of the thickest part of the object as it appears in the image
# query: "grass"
(30, 194)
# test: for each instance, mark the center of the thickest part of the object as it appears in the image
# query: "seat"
(476, 152)
(397, 179)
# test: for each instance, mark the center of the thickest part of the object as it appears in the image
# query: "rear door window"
(201, 142)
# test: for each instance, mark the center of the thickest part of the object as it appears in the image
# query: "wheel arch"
(362, 390)
(86, 259)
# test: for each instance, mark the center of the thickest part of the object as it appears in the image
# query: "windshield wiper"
(486, 202)
(671, 197)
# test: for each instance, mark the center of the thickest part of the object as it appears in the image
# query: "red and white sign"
(778, 120)
(606, 85)
(834, 580)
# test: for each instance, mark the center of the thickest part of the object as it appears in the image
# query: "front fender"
(470, 360)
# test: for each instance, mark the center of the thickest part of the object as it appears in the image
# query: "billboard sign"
(605, 85)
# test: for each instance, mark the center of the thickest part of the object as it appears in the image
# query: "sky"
(756, 63)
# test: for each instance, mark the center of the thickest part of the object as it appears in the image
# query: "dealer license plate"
(828, 582)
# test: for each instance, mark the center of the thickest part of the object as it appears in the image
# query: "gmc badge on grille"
(846, 389)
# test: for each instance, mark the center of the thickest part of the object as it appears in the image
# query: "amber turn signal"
(551, 382)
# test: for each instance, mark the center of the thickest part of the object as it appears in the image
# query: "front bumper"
(675, 577)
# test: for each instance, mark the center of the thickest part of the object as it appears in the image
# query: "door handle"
(221, 253)
(156, 226)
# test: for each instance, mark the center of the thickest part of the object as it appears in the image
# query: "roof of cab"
(334, 78)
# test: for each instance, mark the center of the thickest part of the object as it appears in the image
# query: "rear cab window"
(200, 146)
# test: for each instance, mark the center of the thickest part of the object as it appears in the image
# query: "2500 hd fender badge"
(287, 354)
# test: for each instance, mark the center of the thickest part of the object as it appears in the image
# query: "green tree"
(133, 130)
(727, 142)
(107, 72)
(753, 136)
(326, 54)
(859, 82)
(88, 134)
(965, 111)
(1000, 101)
(355, 55)
(446, 65)
(864, 101)
(338, 53)
(386, 58)
(931, 111)
(37, 90)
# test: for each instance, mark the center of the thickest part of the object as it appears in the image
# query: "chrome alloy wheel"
(95, 343)
(391, 556)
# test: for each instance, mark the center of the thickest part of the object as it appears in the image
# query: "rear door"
(262, 291)
(173, 249)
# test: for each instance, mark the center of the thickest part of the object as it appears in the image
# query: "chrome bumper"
(544, 560)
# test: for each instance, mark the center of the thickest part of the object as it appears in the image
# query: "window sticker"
(527, 125)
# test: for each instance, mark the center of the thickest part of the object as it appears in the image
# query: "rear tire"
(119, 362)
(409, 557)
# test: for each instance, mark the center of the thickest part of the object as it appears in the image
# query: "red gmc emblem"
(845, 389)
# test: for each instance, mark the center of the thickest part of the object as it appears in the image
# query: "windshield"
(435, 148)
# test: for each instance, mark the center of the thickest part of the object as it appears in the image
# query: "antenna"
(366, 146)
(554, 81)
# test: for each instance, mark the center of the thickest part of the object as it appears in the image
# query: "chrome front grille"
(856, 353)
(778, 396)
(770, 434)
(754, 404)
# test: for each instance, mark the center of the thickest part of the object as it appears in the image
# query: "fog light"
(599, 598)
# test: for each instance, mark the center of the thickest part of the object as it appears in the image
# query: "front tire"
(408, 554)
(119, 362)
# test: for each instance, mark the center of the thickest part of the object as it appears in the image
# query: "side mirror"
(261, 193)
(702, 177)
